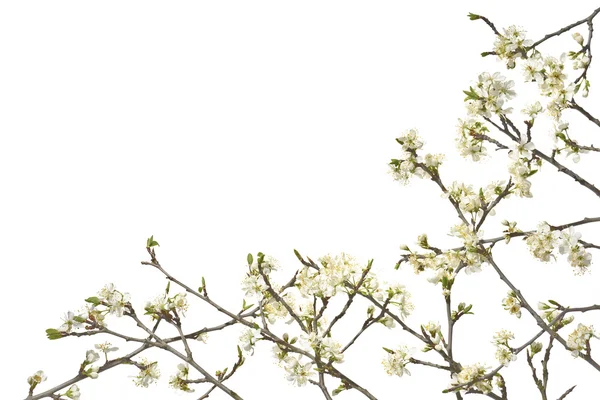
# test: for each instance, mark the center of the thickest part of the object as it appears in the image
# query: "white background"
(224, 128)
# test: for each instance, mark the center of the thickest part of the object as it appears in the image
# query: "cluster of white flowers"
(273, 309)
(434, 331)
(403, 168)
(520, 167)
(108, 301)
(512, 304)
(511, 227)
(578, 257)
(470, 256)
(549, 74)
(470, 373)
(470, 138)
(467, 199)
(325, 282)
(148, 374)
(298, 373)
(442, 265)
(560, 132)
(489, 95)
(469, 237)
(90, 357)
(398, 296)
(249, 337)
(504, 353)
(471, 201)
(542, 242)
(581, 60)
(163, 305)
(579, 339)
(396, 361)
(511, 45)
(253, 283)
(179, 381)
(328, 349)
(115, 300)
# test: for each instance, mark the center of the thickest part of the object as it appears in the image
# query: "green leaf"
(250, 259)
(388, 350)
(473, 17)
(168, 287)
(94, 300)
(298, 256)
(53, 334)
(151, 242)
(79, 319)
(554, 302)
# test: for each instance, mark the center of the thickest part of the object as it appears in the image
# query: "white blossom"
(396, 361)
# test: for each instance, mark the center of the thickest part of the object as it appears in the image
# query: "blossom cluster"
(577, 256)
(469, 141)
(579, 339)
(489, 95)
(163, 306)
(328, 349)
(548, 73)
(397, 295)
(504, 353)
(410, 163)
(471, 201)
(512, 304)
(470, 257)
(570, 145)
(148, 374)
(511, 45)
(253, 283)
(179, 381)
(543, 242)
(249, 338)
(297, 372)
(326, 281)
(550, 312)
(520, 166)
(396, 361)
(108, 301)
(433, 331)
(90, 358)
(469, 374)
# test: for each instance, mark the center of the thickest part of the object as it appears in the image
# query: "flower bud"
(578, 38)
(535, 348)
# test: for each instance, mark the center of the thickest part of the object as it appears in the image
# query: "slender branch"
(573, 104)
(429, 364)
(565, 29)
(565, 394)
